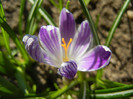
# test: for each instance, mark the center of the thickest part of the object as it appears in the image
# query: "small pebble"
(130, 14)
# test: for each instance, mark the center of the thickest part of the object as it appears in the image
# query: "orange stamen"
(66, 48)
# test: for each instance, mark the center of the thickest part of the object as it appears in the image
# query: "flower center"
(66, 48)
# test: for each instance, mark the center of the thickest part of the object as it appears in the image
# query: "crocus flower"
(67, 49)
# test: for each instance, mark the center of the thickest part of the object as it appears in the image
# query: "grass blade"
(20, 76)
(7, 87)
(58, 93)
(116, 22)
(33, 13)
(116, 95)
(21, 16)
(87, 2)
(6, 64)
(11, 33)
(61, 4)
(45, 15)
(54, 3)
(5, 35)
(112, 30)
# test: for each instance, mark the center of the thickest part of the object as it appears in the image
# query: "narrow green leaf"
(116, 22)
(6, 64)
(32, 15)
(117, 89)
(7, 87)
(61, 4)
(54, 3)
(111, 84)
(11, 33)
(45, 15)
(2, 70)
(20, 76)
(5, 35)
(116, 95)
(33, 26)
(58, 93)
(87, 2)
(112, 31)
(67, 5)
(97, 21)
(83, 92)
(21, 16)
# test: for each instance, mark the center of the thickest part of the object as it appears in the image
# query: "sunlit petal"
(95, 59)
(67, 25)
(82, 41)
(49, 37)
(35, 51)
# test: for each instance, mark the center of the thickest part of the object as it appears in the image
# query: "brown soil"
(120, 68)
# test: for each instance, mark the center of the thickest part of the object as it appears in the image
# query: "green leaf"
(54, 95)
(111, 84)
(8, 88)
(21, 16)
(116, 89)
(87, 2)
(121, 94)
(61, 4)
(67, 5)
(45, 15)
(20, 76)
(116, 22)
(5, 35)
(54, 3)
(6, 65)
(83, 90)
(113, 28)
(11, 33)
(33, 13)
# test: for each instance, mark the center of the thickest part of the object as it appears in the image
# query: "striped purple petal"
(95, 59)
(33, 48)
(81, 41)
(67, 25)
(68, 69)
(49, 37)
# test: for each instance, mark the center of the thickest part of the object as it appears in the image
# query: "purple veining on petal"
(95, 59)
(32, 47)
(68, 69)
(35, 51)
(50, 40)
(67, 25)
(81, 41)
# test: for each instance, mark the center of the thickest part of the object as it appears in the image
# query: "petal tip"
(25, 38)
(65, 10)
(48, 27)
(106, 48)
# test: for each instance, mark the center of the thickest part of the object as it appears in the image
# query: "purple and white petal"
(50, 41)
(82, 41)
(68, 69)
(95, 59)
(67, 25)
(33, 48)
